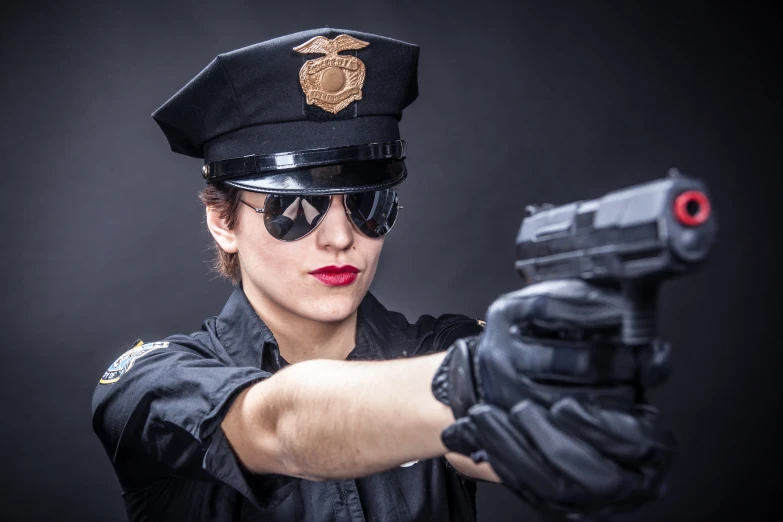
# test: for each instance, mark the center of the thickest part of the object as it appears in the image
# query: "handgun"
(632, 238)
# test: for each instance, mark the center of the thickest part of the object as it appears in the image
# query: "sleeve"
(438, 334)
(280, 225)
(316, 220)
(157, 411)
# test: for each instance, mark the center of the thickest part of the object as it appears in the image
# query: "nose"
(335, 230)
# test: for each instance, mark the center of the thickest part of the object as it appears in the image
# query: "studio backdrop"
(520, 103)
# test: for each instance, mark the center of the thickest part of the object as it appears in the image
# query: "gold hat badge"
(333, 81)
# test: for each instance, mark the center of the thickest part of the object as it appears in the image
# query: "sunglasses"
(290, 217)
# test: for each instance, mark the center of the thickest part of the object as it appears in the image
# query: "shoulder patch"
(126, 360)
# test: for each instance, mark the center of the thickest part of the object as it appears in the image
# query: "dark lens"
(291, 217)
(373, 213)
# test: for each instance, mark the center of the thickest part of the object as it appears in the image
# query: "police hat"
(315, 111)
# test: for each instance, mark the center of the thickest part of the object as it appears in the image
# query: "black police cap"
(314, 111)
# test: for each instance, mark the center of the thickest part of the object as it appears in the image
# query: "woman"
(305, 399)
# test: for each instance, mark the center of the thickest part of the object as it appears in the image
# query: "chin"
(332, 308)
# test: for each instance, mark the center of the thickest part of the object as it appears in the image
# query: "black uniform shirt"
(159, 408)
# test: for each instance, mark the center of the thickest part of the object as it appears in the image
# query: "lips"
(331, 269)
(336, 275)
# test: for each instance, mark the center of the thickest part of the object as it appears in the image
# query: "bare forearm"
(336, 419)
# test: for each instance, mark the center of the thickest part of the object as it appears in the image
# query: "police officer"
(305, 398)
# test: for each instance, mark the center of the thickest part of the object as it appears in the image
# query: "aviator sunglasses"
(290, 217)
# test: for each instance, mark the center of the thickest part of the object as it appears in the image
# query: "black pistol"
(633, 238)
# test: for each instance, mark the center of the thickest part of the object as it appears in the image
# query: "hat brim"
(342, 178)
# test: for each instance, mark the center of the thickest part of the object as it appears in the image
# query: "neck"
(299, 338)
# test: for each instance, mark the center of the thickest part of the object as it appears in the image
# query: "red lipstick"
(336, 275)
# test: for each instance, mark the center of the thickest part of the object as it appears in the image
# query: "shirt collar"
(249, 342)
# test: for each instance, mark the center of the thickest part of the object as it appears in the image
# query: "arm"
(292, 210)
(310, 212)
(325, 419)
(466, 466)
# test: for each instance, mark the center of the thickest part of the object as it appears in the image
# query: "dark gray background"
(104, 240)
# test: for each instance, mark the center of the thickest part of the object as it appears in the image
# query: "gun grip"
(639, 315)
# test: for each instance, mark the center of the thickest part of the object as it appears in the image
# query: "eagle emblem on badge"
(333, 81)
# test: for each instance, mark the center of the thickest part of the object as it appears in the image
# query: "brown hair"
(225, 200)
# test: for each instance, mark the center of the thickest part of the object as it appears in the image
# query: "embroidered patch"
(126, 360)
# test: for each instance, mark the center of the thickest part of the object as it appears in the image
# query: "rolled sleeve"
(438, 334)
(265, 491)
(280, 225)
(162, 417)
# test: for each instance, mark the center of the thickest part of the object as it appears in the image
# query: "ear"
(224, 237)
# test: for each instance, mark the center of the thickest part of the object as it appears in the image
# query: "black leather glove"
(546, 341)
(572, 458)
(558, 413)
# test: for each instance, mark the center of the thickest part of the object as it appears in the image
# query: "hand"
(548, 341)
(572, 458)
(557, 395)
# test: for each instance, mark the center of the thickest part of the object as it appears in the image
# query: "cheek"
(278, 271)
(371, 252)
(261, 255)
